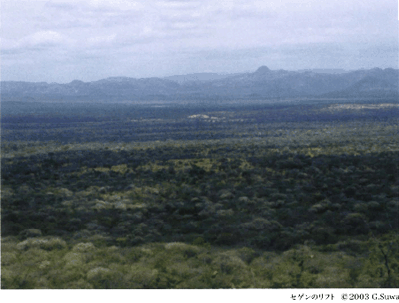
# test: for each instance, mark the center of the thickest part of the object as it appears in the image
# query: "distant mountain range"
(261, 84)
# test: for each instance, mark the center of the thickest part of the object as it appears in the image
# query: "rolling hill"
(261, 84)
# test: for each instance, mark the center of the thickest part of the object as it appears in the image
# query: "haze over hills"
(325, 70)
(261, 84)
(198, 77)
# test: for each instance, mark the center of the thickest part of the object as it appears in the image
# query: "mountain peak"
(263, 69)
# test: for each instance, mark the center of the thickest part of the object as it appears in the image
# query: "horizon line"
(215, 73)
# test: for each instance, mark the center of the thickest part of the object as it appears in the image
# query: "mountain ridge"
(264, 83)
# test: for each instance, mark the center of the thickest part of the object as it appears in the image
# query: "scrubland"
(252, 195)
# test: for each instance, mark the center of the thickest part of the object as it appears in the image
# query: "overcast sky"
(63, 40)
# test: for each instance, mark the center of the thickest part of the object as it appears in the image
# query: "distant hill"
(198, 77)
(324, 70)
(377, 83)
(261, 84)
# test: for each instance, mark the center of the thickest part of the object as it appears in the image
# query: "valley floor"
(260, 197)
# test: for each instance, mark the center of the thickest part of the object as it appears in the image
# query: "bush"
(185, 249)
(323, 235)
(30, 233)
(226, 195)
(319, 208)
(333, 277)
(226, 238)
(8, 258)
(247, 254)
(262, 224)
(105, 278)
(141, 276)
(74, 260)
(42, 243)
(83, 247)
(225, 213)
(231, 265)
(80, 284)
(352, 246)
(355, 223)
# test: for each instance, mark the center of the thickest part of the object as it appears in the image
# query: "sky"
(63, 40)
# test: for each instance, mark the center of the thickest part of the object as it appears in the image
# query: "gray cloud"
(164, 37)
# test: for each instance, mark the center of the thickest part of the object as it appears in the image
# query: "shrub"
(355, 223)
(64, 192)
(225, 213)
(332, 277)
(226, 238)
(185, 249)
(360, 207)
(42, 243)
(80, 284)
(265, 240)
(141, 276)
(319, 208)
(290, 164)
(98, 272)
(8, 258)
(229, 264)
(105, 278)
(44, 264)
(244, 200)
(199, 241)
(83, 247)
(30, 233)
(352, 246)
(247, 254)
(379, 226)
(323, 235)
(226, 195)
(73, 259)
(373, 205)
(262, 224)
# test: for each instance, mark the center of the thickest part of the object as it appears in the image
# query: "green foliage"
(42, 243)
(228, 211)
(383, 261)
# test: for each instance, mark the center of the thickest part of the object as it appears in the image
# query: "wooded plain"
(283, 194)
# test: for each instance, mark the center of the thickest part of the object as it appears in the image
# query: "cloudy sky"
(63, 40)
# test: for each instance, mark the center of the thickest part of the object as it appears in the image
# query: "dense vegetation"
(206, 196)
